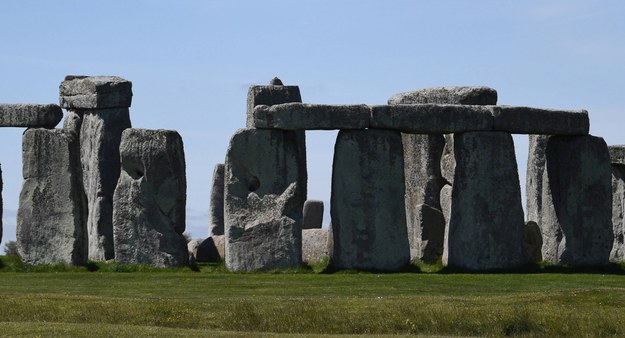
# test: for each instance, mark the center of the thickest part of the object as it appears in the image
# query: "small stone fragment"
(275, 82)
(313, 214)
(30, 115)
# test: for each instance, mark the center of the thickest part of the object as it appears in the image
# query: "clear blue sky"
(191, 63)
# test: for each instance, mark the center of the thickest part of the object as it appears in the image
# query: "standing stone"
(51, 219)
(217, 201)
(532, 242)
(432, 233)
(313, 214)
(573, 207)
(534, 177)
(263, 200)
(314, 245)
(367, 202)
(486, 222)
(98, 109)
(617, 157)
(1, 204)
(149, 201)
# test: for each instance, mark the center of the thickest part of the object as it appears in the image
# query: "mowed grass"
(213, 302)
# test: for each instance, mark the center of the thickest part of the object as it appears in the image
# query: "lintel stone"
(527, 120)
(617, 154)
(30, 115)
(470, 95)
(300, 116)
(95, 92)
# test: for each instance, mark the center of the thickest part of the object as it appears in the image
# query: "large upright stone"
(217, 201)
(149, 200)
(30, 115)
(1, 204)
(534, 177)
(51, 219)
(263, 200)
(95, 92)
(617, 157)
(486, 221)
(313, 214)
(367, 202)
(573, 207)
(471, 95)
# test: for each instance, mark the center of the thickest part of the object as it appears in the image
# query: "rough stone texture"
(534, 177)
(149, 200)
(217, 201)
(73, 121)
(486, 222)
(269, 96)
(52, 214)
(95, 92)
(432, 118)
(575, 201)
(263, 200)
(431, 232)
(526, 120)
(446, 95)
(30, 115)
(367, 202)
(300, 116)
(448, 160)
(617, 154)
(313, 214)
(532, 242)
(618, 210)
(192, 246)
(208, 250)
(446, 209)
(1, 204)
(100, 137)
(314, 245)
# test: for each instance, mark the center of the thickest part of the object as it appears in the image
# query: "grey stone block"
(51, 219)
(270, 95)
(300, 116)
(263, 201)
(100, 138)
(432, 118)
(448, 160)
(95, 92)
(30, 115)
(313, 214)
(575, 201)
(217, 201)
(617, 154)
(446, 209)
(150, 198)
(314, 245)
(526, 120)
(448, 95)
(486, 222)
(431, 234)
(208, 250)
(617, 254)
(532, 242)
(367, 202)
(534, 177)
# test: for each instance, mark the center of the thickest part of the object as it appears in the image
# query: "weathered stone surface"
(448, 160)
(30, 115)
(149, 200)
(446, 209)
(52, 214)
(432, 118)
(618, 211)
(100, 137)
(575, 201)
(95, 92)
(367, 202)
(208, 250)
(269, 96)
(1, 204)
(486, 222)
(532, 242)
(313, 214)
(314, 245)
(534, 177)
(217, 201)
(431, 232)
(448, 95)
(301, 116)
(263, 201)
(73, 121)
(526, 120)
(617, 154)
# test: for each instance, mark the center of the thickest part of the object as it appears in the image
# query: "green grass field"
(212, 302)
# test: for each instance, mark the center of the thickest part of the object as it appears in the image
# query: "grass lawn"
(213, 302)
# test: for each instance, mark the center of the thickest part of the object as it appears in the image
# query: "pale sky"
(191, 63)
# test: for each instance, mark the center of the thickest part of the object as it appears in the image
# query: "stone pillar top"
(276, 82)
(95, 92)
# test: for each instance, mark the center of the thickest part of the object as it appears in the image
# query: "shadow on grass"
(543, 267)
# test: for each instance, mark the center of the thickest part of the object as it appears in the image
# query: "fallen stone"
(95, 92)
(300, 116)
(30, 115)
(313, 214)
(100, 138)
(263, 201)
(486, 222)
(617, 254)
(367, 202)
(314, 245)
(576, 201)
(532, 242)
(526, 120)
(448, 95)
(150, 198)
(430, 235)
(217, 201)
(432, 118)
(617, 154)
(52, 214)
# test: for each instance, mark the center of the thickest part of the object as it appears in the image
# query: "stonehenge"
(429, 176)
